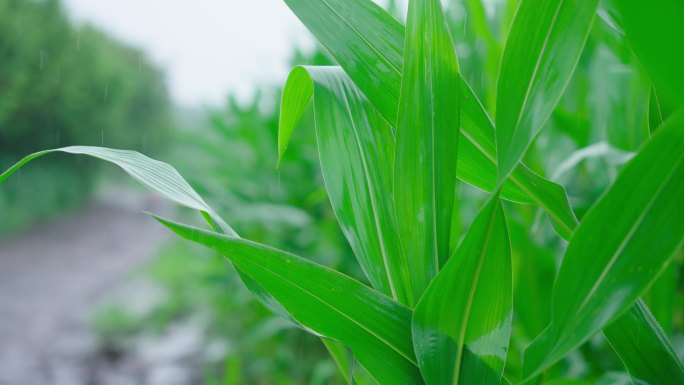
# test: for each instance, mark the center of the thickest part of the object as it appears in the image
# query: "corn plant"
(399, 129)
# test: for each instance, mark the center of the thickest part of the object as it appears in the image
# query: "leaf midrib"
(629, 237)
(471, 296)
(335, 309)
(363, 38)
(535, 72)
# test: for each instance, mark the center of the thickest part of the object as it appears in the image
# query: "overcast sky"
(207, 48)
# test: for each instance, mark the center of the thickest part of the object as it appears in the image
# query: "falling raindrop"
(102, 137)
(465, 22)
(106, 93)
(42, 59)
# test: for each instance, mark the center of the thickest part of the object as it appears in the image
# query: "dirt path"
(52, 276)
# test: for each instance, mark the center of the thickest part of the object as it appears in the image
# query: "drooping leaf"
(376, 328)
(607, 267)
(374, 61)
(356, 147)
(155, 175)
(648, 356)
(462, 325)
(540, 55)
(165, 180)
(427, 142)
(655, 32)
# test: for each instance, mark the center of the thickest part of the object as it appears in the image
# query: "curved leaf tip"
(297, 94)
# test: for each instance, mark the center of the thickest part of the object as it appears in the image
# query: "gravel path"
(53, 276)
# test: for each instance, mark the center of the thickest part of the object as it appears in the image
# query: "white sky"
(207, 48)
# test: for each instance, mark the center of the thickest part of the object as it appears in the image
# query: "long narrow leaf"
(541, 52)
(641, 224)
(648, 355)
(427, 142)
(462, 324)
(374, 61)
(165, 180)
(356, 147)
(347, 28)
(155, 175)
(376, 328)
(655, 32)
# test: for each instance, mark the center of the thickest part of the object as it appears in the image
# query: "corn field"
(402, 132)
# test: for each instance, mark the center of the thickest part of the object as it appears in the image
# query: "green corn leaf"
(655, 35)
(165, 180)
(648, 356)
(462, 324)
(155, 175)
(348, 28)
(606, 268)
(372, 55)
(356, 147)
(427, 142)
(541, 52)
(376, 328)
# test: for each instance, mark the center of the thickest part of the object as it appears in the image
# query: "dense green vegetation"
(510, 186)
(61, 85)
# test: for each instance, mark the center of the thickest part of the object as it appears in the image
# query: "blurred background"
(94, 292)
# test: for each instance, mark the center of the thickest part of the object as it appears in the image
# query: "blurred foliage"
(231, 160)
(61, 85)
